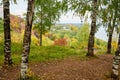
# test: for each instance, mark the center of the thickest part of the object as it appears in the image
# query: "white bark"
(24, 68)
(27, 40)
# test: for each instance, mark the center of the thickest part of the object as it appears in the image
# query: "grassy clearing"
(40, 54)
(44, 53)
(53, 53)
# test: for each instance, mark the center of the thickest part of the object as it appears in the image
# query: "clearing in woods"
(68, 69)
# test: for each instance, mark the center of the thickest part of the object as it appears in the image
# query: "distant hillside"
(67, 24)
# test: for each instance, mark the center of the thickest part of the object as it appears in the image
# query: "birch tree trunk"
(93, 29)
(116, 60)
(7, 36)
(27, 39)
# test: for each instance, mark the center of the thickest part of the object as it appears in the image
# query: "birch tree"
(109, 17)
(93, 29)
(116, 61)
(7, 35)
(27, 39)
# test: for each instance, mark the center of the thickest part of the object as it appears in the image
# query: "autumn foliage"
(60, 42)
(17, 23)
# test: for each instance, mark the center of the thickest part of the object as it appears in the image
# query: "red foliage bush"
(60, 42)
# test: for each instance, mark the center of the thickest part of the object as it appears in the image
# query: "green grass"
(40, 54)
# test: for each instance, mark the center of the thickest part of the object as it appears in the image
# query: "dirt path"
(68, 69)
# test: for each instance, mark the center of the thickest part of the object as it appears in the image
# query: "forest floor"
(71, 68)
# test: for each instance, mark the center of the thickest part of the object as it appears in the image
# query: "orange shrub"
(60, 42)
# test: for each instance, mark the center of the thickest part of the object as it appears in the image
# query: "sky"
(21, 7)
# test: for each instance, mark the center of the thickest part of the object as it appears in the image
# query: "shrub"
(60, 42)
(46, 41)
